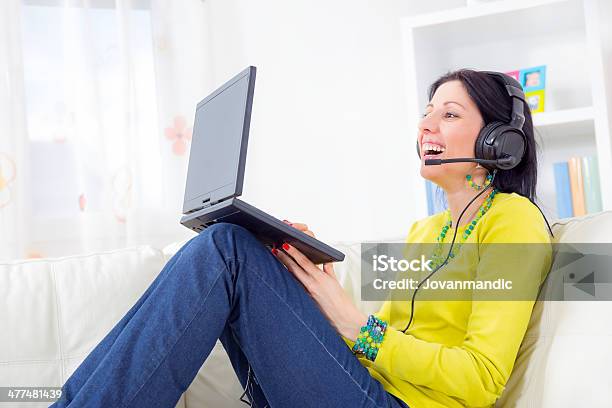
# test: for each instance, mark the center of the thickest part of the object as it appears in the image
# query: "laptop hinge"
(217, 201)
(207, 203)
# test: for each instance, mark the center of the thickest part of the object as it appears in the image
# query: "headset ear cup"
(481, 149)
(511, 143)
(498, 140)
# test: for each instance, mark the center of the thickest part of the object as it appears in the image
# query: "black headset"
(500, 145)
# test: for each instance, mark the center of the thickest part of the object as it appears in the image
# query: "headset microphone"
(503, 162)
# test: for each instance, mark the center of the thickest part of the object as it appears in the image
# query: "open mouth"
(431, 150)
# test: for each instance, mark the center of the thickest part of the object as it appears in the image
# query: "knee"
(225, 235)
(225, 229)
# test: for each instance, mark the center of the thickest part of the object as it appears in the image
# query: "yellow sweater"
(460, 353)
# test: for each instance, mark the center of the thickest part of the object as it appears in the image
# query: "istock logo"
(384, 263)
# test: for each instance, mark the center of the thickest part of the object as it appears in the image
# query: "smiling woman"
(461, 354)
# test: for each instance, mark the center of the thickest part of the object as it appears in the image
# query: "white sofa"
(54, 311)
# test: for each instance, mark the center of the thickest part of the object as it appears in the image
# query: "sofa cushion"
(565, 356)
(54, 311)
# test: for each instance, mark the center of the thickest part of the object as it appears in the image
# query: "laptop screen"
(219, 143)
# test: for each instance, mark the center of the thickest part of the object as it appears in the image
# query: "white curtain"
(97, 99)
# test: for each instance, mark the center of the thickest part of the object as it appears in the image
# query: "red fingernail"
(274, 251)
(286, 246)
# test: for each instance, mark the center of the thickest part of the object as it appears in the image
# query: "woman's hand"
(323, 286)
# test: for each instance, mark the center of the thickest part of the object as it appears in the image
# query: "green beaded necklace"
(437, 258)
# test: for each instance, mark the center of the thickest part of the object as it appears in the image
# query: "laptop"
(216, 172)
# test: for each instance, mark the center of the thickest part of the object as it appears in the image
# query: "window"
(90, 90)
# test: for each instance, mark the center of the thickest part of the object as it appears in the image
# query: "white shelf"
(481, 10)
(501, 22)
(477, 41)
(569, 123)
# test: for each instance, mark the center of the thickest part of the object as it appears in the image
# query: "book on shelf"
(436, 202)
(592, 191)
(564, 193)
(577, 186)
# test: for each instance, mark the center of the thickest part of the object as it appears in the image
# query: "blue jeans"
(224, 284)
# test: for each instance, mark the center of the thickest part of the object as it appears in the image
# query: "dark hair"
(495, 104)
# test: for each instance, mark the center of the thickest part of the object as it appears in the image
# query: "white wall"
(330, 143)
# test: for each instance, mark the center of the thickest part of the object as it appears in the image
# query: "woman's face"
(452, 122)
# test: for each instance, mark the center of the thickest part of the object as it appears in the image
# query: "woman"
(287, 333)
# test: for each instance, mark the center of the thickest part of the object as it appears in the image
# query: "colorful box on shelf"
(514, 74)
(533, 81)
(535, 100)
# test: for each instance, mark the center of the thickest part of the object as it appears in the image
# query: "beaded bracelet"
(370, 338)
